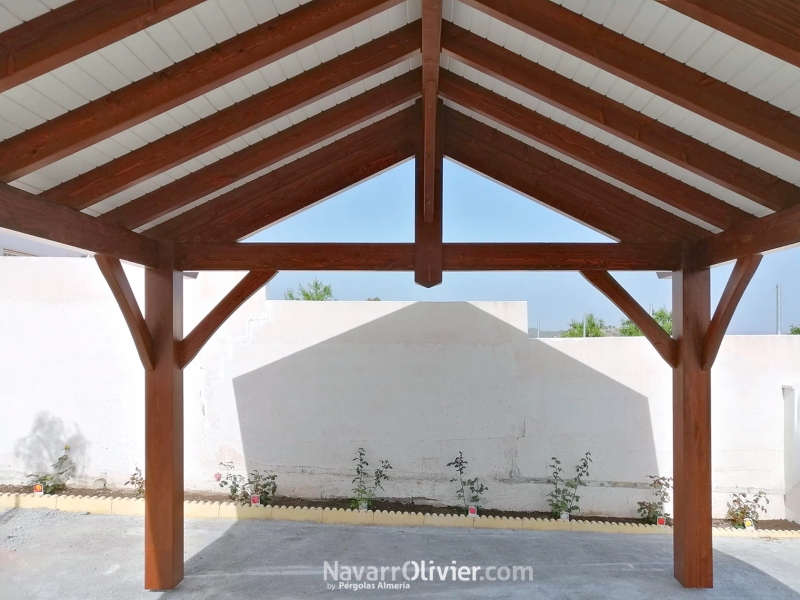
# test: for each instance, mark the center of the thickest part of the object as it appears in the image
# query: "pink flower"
(217, 476)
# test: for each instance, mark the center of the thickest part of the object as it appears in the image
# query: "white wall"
(297, 387)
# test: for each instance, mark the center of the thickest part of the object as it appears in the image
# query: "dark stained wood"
(199, 336)
(611, 289)
(590, 152)
(651, 70)
(617, 119)
(455, 257)
(740, 278)
(569, 190)
(111, 269)
(298, 185)
(236, 120)
(691, 422)
(431, 51)
(769, 25)
(760, 235)
(428, 234)
(265, 153)
(181, 82)
(163, 519)
(26, 213)
(73, 30)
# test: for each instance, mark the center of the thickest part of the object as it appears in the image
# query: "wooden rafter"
(238, 119)
(760, 235)
(265, 153)
(455, 257)
(199, 336)
(740, 278)
(428, 234)
(560, 186)
(590, 152)
(651, 70)
(111, 269)
(772, 26)
(431, 50)
(73, 30)
(611, 289)
(187, 79)
(26, 213)
(618, 119)
(297, 185)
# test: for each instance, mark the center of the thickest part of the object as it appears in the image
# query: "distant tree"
(662, 316)
(594, 328)
(316, 290)
(375, 299)
(794, 329)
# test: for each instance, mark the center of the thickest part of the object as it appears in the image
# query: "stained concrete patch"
(83, 557)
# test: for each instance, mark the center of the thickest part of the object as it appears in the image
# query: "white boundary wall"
(296, 387)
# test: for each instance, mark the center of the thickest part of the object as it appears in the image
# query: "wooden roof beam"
(651, 70)
(297, 185)
(773, 26)
(564, 188)
(73, 30)
(179, 83)
(590, 152)
(618, 119)
(456, 257)
(236, 120)
(431, 51)
(29, 214)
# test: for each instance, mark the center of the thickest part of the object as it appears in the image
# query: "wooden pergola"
(253, 124)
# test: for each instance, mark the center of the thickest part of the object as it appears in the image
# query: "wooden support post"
(163, 523)
(691, 310)
(428, 234)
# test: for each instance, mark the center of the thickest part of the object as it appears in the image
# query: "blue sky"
(479, 210)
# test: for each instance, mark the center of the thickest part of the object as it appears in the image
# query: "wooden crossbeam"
(431, 51)
(650, 70)
(740, 278)
(266, 153)
(772, 26)
(455, 257)
(590, 152)
(560, 186)
(199, 336)
(297, 185)
(73, 30)
(187, 79)
(611, 289)
(428, 234)
(26, 213)
(760, 235)
(112, 271)
(236, 120)
(618, 119)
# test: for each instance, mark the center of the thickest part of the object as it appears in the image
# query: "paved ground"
(50, 554)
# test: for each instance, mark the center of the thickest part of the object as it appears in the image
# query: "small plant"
(565, 498)
(363, 493)
(475, 487)
(55, 482)
(650, 511)
(137, 481)
(741, 507)
(240, 489)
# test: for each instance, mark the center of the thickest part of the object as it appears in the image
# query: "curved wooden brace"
(194, 342)
(611, 289)
(111, 269)
(737, 283)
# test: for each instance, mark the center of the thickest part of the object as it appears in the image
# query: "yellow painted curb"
(545, 525)
(593, 526)
(498, 523)
(291, 513)
(640, 529)
(128, 507)
(96, 505)
(229, 510)
(31, 501)
(8, 500)
(448, 521)
(347, 516)
(200, 510)
(399, 519)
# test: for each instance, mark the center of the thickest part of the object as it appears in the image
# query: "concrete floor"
(50, 554)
